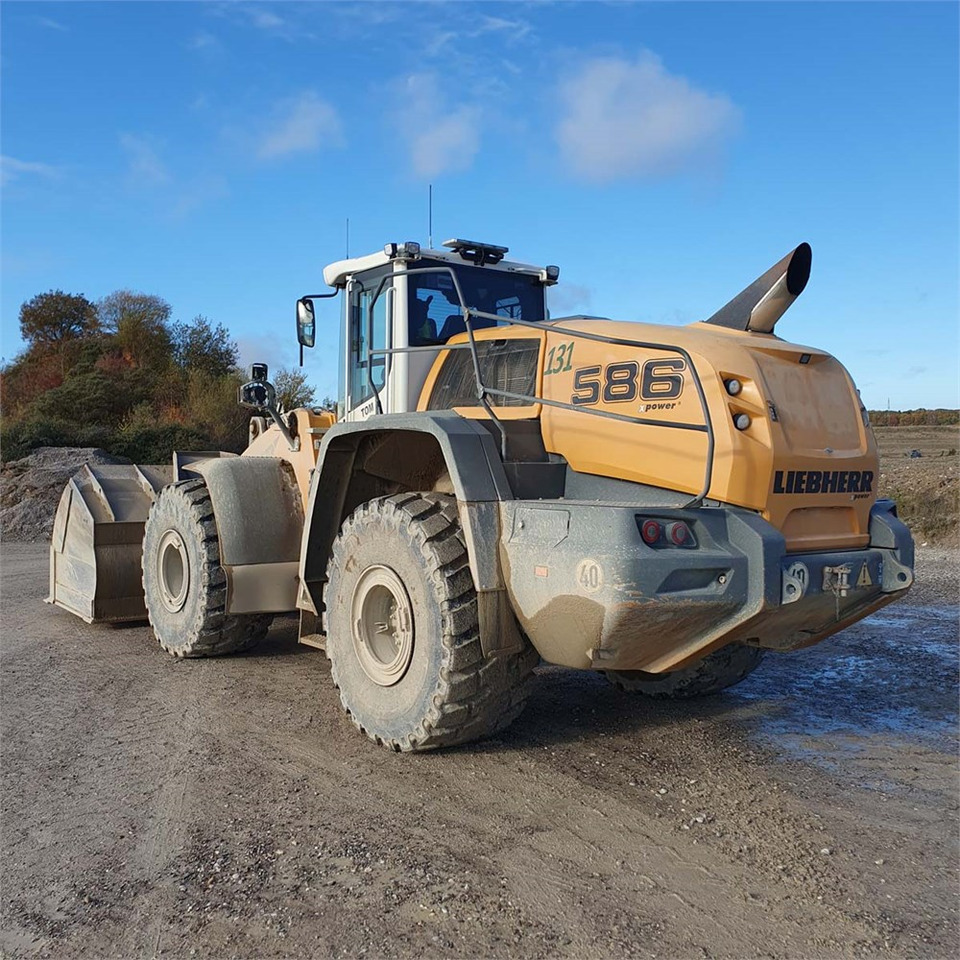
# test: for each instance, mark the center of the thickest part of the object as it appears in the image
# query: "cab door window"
(365, 369)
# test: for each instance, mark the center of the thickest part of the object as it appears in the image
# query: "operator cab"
(399, 306)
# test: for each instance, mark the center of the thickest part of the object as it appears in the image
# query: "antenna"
(348, 238)
(430, 216)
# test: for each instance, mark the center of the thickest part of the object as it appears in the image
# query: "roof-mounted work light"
(408, 250)
(475, 252)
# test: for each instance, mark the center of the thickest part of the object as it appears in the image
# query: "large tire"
(184, 585)
(715, 672)
(403, 636)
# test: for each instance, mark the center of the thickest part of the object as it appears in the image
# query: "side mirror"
(306, 323)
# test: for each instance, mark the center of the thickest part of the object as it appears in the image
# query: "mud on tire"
(715, 672)
(184, 585)
(403, 635)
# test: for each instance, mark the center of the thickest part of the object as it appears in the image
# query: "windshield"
(434, 308)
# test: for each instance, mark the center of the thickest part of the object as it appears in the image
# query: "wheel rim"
(382, 619)
(173, 571)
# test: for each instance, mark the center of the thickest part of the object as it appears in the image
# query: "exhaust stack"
(764, 302)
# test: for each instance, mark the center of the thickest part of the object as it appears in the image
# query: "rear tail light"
(679, 534)
(666, 533)
(651, 531)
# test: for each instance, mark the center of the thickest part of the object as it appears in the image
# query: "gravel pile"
(30, 489)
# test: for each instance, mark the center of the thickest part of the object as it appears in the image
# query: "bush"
(84, 398)
(211, 409)
(20, 438)
(156, 444)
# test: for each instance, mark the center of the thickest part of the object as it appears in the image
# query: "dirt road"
(226, 807)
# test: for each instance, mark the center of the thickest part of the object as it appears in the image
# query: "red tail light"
(679, 534)
(667, 533)
(651, 531)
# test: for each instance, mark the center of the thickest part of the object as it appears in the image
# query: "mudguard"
(259, 517)
(426, 443)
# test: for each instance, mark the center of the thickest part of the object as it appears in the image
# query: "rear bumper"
(590, 593)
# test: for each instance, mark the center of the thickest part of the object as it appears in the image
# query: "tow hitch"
(836, 580)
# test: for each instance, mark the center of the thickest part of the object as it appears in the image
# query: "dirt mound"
(30, 489)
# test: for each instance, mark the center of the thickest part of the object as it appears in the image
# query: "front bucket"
(98, 539)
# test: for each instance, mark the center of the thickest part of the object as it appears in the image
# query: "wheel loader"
(661, 504)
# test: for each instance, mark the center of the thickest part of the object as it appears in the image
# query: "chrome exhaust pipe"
(764, 302)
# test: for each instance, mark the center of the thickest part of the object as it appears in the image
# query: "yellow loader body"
(819, 496)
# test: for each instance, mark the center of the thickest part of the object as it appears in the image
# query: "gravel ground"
(30, 489)
(227, 808)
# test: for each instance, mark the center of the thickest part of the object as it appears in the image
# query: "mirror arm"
(317, 296)
(268, 404)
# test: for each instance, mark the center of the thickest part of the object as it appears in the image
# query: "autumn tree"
(292, 389)
(140, 326)
(54, 317)
(199, 345)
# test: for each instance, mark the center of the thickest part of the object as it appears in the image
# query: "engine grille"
(504, 365)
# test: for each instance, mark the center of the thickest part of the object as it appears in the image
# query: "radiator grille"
(504, 365)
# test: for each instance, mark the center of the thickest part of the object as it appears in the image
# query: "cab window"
(434, 307)
(364, 369)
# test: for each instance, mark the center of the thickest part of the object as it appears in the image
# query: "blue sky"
(663, 154)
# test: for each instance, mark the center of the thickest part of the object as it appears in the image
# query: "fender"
(259, 515)
(391, 453)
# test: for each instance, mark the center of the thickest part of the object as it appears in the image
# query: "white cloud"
(275, 351)
(171, 195)
(440, 140)
(634, 119)
(264, 19)
(303, 124)
(514, 29)
(52, 24)
(568, 298)
(440, 44)
(289, 27)
(11, 169)
(448, 144)
(203, 41)
(145, 166)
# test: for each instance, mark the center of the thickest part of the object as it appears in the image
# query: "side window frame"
(360, 330)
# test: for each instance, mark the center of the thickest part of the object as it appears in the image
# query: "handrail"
(484, 391)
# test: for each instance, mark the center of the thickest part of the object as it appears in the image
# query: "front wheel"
(715, 672)
(183, 583)
(403, 634)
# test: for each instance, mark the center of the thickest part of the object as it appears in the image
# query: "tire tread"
(475, 696)
(213, 632)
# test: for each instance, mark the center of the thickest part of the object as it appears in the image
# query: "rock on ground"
(30, 489)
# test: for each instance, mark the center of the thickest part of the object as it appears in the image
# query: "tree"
(140, 325)
(198, 345)
(55, 316)
(211, 409)
(292, 389)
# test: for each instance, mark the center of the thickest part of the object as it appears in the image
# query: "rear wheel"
(715, 672)
(183, 583)
(403, 635)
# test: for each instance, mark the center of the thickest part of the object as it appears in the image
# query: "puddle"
(894, 675)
